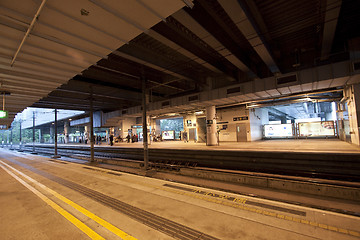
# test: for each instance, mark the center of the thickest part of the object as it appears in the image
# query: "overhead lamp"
(199, 112)
(307, 99)
(3, 113)
(252, 105)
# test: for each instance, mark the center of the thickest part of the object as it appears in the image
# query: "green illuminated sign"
(3, 114)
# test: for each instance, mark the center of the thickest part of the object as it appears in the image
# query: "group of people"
(98, 139)
(133, 138)
(157, 138)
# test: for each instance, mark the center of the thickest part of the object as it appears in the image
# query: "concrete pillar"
(41, 136)
(108, 136)
(55, 135)
(66, 131)
(87, 133)
(211, 137)
(157, 127)
(353, 93)
(51, 134)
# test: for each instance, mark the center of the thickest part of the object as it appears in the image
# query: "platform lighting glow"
(3, 114)
(199, 112)
(252, 105)
(307, 99)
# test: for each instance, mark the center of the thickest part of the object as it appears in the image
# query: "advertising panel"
(278, 130)
(317, 129)
(168, 135)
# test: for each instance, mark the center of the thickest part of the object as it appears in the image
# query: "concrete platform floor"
(299, 145)
(27, 191)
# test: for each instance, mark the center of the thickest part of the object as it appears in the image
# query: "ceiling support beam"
(151, 65)
(28, 32)
(331, 19)
(158, 84)
(150, 9)
(98, 95)
(83, 22)
(181, 50)
(279, 113)
(70, 101)
(240, 17)
(185, 19)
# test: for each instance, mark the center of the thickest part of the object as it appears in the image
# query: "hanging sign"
(240, 118)
(4, 114)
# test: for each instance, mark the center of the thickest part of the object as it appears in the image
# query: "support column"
(353, 94)
(33, 132)
(144, 125)
(11, 138)
(86, 134)
(51, 134)
(66, 131)
(283, 120)
(20, 138)
(91, 126)
(55, 137)
(211, 138)
(41, 137)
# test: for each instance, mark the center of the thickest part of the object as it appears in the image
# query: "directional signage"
(3, 114)
(240, 118)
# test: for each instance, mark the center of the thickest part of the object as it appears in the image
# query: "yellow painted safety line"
(123, 235)
(241, 204)
(88, 231)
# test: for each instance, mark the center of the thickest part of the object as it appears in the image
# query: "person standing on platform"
(111, 139)
(185, 137)
(136, 138)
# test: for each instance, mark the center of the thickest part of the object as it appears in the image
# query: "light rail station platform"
(323, 168)
(39, 194)
(280, 145)
(292, 145)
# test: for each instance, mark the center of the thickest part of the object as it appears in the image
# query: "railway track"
(335, 166)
